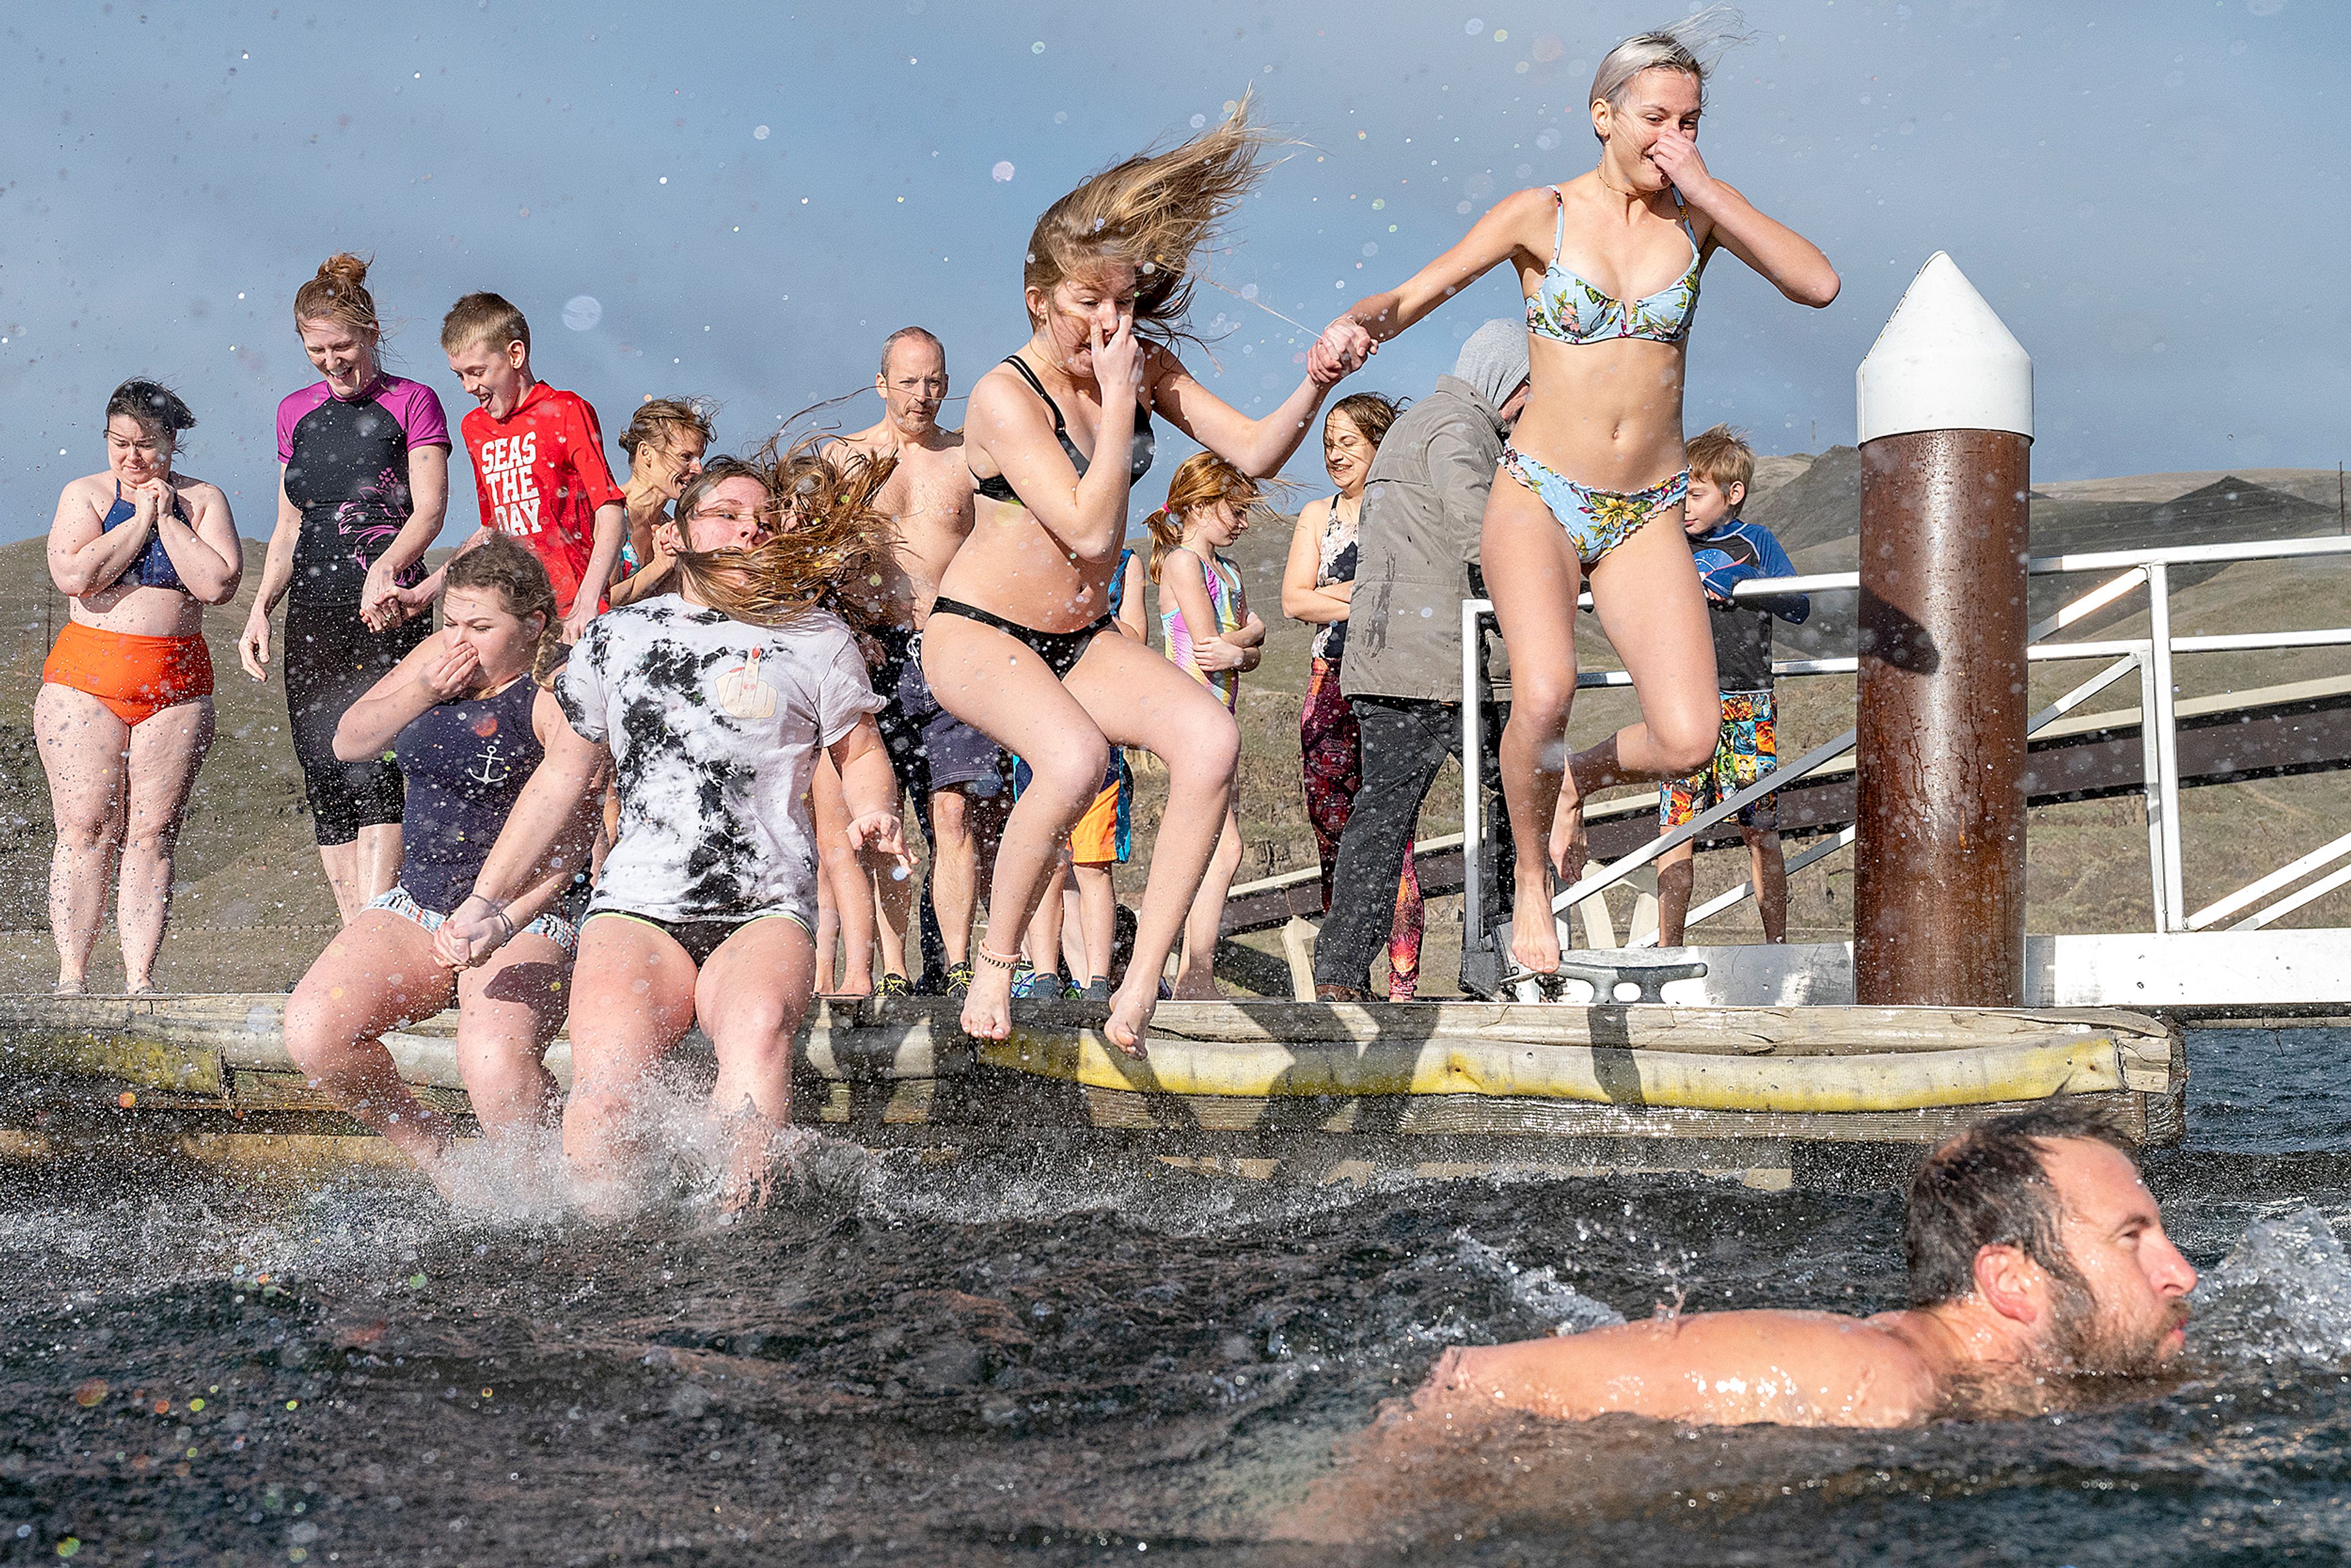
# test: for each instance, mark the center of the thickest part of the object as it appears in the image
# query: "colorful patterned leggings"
(1331, 746)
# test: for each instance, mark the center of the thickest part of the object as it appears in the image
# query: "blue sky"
(2150, 193)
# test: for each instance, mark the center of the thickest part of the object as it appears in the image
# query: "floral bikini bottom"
(1597, 521)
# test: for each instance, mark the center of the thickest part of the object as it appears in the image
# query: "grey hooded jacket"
(1422, 503)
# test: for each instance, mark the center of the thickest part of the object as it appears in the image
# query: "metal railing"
(2150, 658)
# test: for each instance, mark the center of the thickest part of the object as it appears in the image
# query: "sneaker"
(1096, 991)
(1036, 984)
(958, 982)
(1325, 992)
(1073, 992)
(894, 986)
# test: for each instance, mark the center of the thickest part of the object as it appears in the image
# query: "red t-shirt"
(541, 474)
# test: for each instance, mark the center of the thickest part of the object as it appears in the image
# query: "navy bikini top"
(996, 488)
(153, 568)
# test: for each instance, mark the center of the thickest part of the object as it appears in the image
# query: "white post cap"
(1944, 361)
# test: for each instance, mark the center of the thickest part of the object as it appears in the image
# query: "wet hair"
(833, 529)
(1199, 480)
(1721, 457)
(1691, 46)
(1371, 413)
(338, 293)
(156, 407)
(659, 420)
(515, 571)
(922, 334)
(1989, 1187)
(1151, 212)
(483, 317)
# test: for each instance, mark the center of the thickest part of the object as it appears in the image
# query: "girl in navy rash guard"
(364, 486)
(466, 720)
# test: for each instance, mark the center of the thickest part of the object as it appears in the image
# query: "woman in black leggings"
(362, 493)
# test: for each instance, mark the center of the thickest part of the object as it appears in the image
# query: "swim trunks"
(1105, 835)
(136, 677)
(930, 748)
(1745, 750)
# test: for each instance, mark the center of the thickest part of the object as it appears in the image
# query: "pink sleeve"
(419, 412)
(290, 414)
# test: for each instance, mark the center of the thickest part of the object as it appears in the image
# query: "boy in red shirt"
(539, 457)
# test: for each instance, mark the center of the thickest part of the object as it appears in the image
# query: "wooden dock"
(1263, 1089)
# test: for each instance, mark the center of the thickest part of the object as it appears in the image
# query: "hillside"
(252, 908)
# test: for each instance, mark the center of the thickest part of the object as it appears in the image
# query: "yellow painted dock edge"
(1909, 1081)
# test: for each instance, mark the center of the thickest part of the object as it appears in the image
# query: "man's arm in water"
(1798, 1369)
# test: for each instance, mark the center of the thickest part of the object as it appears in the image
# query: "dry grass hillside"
(252, 908)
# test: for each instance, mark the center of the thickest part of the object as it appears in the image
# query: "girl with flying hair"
(1592, 484)
(711, 705)
(1020, 644)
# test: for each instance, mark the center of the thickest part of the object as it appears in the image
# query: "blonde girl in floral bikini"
(1610, 263)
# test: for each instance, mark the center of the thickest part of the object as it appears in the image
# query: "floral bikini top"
(1567, 310)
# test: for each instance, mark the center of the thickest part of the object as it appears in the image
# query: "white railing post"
(2152, 792)
(2167, 739)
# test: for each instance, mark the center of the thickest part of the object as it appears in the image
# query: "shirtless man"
(2036, 1256)
(959, 779)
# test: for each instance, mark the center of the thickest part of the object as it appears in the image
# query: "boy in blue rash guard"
(1730, 550)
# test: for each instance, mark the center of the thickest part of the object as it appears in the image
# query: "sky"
(741, 201)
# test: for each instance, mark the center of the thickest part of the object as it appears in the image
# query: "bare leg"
(750, 998)
(1767, 868)
(379, 860)
(828, 933)
(1196, 979)
(1002, 688)
(508, 1012)
(1043, 943)
(83, 749)
(1677, 874)
(955, 869)
(844, 879)
(341, 863)
(165, 753)
(632, 999)
(1533, 577)
(378, 973)
(894, 913)
(1141, 699)
(1098, 915)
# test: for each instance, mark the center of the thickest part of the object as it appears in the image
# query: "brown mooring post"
(1946, 432)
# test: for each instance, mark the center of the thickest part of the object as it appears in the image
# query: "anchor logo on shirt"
(483, 775)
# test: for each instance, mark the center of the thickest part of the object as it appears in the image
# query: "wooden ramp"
(1259, 1088)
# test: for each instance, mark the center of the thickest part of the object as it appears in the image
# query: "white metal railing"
(2150, 658)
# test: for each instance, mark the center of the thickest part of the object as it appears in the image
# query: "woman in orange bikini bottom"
(136, 677)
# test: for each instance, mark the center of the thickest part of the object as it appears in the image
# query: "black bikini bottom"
(700, 939)
(1059, 650)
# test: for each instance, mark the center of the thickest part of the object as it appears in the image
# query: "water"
(1013, 1362)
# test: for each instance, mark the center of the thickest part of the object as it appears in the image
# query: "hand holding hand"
(575, 625)
(474, 929)
(1676, 157)
(380, 604)
(1349, 342)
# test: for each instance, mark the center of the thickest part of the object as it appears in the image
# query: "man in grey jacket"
(1424, 502)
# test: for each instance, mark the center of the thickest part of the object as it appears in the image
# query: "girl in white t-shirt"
(709, 707)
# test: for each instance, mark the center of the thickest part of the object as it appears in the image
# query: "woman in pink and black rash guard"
(364, 486)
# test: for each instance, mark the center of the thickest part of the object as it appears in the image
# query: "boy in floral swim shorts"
(1729, 551)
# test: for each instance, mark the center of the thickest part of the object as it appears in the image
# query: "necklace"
(1600, 172)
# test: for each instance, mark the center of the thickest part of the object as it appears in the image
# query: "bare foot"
(987, 1006)
(1534, 935)
(1130, 1013)
(1191, 986)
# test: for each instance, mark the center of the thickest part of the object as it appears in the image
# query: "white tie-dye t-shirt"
(714, 725)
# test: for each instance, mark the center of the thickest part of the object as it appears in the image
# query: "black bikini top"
(996, 488)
